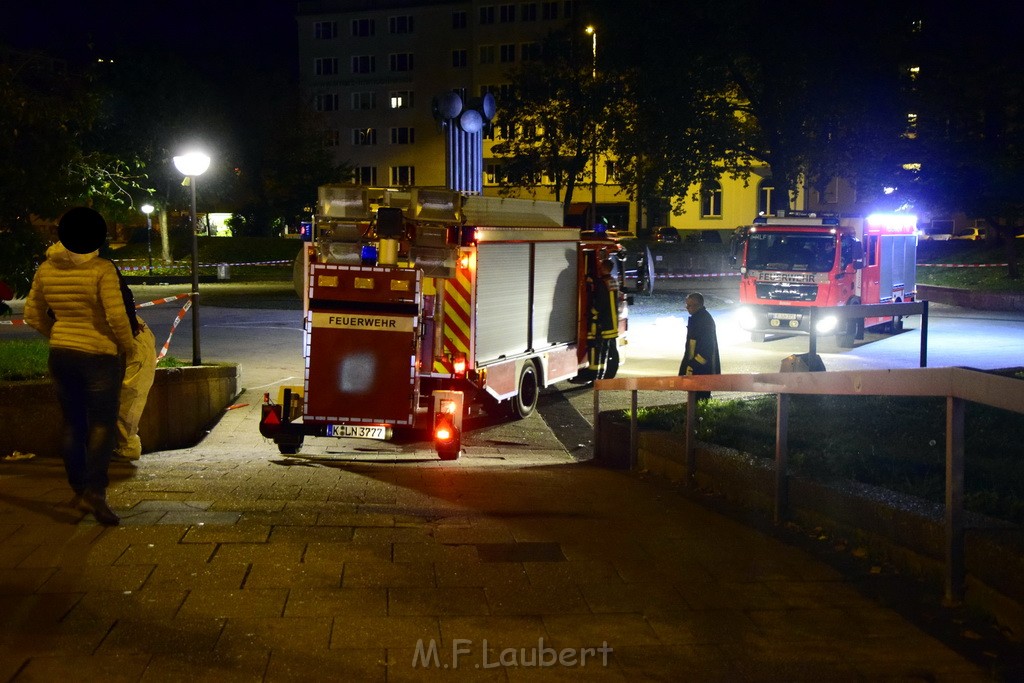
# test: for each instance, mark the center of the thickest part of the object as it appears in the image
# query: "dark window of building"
(487, 14)
(364, 64)
(326, 66)
(403, 136)
(549, 10)
(460, 59)
(364, 136)
(365, 175)
(327, 102)
(507, 14)
(402, 24)
(364, 100)
(530, 52)
(325, 30)
(530, 11)
(508, 53)
(487, 54)
(363, 28)
(403, 175)
(711, 200)
(401, 62)
(459, 19)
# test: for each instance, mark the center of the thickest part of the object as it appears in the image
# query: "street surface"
(259, 327)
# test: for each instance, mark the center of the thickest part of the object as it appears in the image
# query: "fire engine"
(423, 306)
(797, 260)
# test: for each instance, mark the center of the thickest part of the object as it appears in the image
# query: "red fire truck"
(799, 260)
(422, 306)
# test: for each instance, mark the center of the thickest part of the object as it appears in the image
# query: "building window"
(508, 53)
(492, 174)
(402, 24)
(459, 19)
(325, 30)
(460, 59)
(530, 52)
(487, 54)
(364, 136)
(403, 136)
(487, 14)
(327, 66)
(611, 175)
(530, 11)
(364, 100)
(401, 62)
(711, 200)
(768, 199)
(364, 64)
(401, 99)
(507, 14)
(328, 102)
(365, 175)
(569, 8)
(332, 138)
(403, 175)
(363, 28)
(549, 10)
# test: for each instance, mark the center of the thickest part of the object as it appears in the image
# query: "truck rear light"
(459, 366)
(444, 430)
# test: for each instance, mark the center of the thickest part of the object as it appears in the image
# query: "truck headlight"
(826, 324)
(746, 318)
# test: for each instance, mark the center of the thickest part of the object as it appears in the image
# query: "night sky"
(256, 34)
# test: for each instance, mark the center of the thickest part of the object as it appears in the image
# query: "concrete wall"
(183, 404)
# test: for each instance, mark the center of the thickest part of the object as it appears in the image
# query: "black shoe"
(96, 503)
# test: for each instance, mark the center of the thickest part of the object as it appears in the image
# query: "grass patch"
(214, 250)
(26, 359)
(896, 443)
(986, 279)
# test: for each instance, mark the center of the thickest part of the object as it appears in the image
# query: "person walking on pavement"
(700, 356)
(603, 331)
(75, 301)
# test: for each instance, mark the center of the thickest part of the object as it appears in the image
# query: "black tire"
(449, 454)
(527, 391)
(852, 329)
(648, 275)
(290, 447)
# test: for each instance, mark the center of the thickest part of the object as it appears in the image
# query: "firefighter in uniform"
(603, 330)
(700, 356)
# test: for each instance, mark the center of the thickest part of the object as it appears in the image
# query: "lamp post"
(148, 210)
(191, 165)
(592, 32)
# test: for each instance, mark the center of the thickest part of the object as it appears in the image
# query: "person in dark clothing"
(603, 331)
(701, 354)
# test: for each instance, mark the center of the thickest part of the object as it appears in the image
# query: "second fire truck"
(424, 305)
(791, 263)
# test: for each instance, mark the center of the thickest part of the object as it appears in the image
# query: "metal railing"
(957, 385)
(872, 311)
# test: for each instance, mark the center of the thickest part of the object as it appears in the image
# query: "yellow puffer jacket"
(84, 294)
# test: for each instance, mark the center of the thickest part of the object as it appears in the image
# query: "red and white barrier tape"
(129, 269)
(174, 326)
(165, 300)
(669, 276)
(964, 265)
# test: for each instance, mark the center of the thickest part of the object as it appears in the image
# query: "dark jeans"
(89, 388)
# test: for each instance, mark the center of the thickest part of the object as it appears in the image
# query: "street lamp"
(592, 32)
(191, 165)
(148, 210)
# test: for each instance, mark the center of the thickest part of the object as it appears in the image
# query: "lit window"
(401, 99)
(364, 136)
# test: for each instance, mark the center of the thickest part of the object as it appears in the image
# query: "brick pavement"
(514, 563)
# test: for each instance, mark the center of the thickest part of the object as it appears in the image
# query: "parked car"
(666, 234)
(970, 234)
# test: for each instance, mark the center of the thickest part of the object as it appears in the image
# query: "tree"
(551, 122)
(46, 163)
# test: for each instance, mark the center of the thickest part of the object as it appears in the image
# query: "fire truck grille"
(784, 291)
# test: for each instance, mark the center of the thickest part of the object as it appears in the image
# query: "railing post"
(812, 345)
(691, 437)
(597, 416)
(781, 453)
(955, 561)
(633, 418)
(924, 334)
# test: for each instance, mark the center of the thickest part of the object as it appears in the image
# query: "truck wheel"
(527, 391)
(852, 329)
(449, 454)
(289, 447)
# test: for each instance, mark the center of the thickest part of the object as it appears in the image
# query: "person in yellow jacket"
(76, 302)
